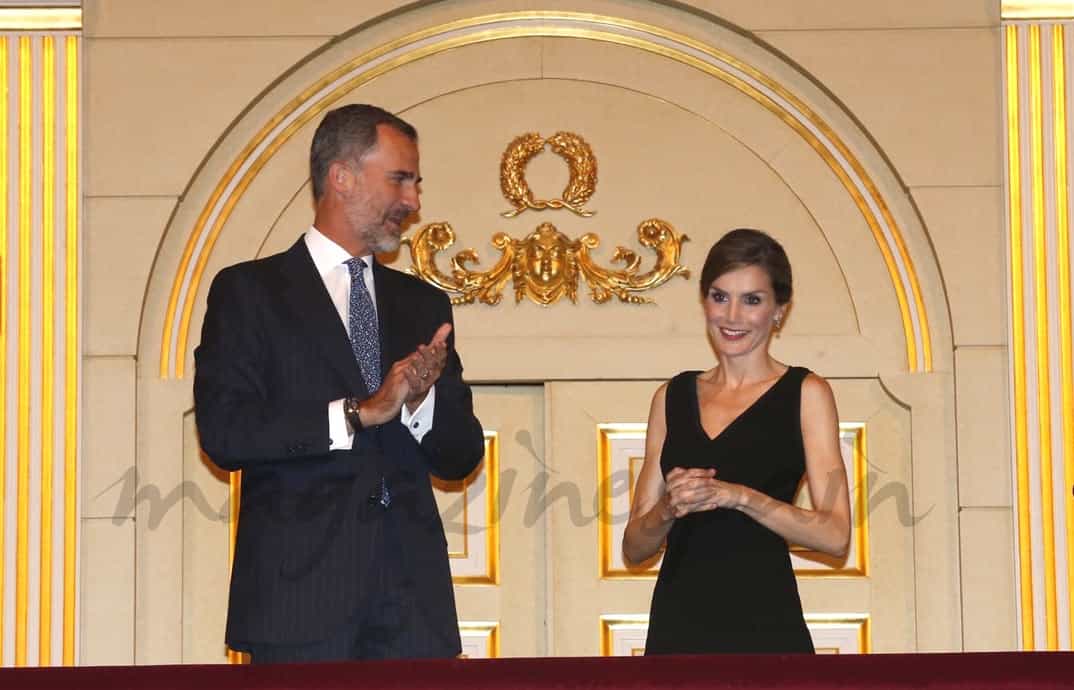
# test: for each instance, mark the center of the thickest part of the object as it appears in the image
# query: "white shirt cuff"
(419, 423)
(337, 427)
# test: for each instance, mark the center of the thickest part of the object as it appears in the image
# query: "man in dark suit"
(332, 382)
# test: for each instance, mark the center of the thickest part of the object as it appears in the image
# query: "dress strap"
(678, 399)
(797, 375)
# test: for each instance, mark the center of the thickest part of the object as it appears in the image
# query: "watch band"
(351, 409)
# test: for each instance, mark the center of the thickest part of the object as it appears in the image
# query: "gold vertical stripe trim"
(71, 352)
(1066, 353)
(1021, 448)
(48, 336)
(3, 321)
(1040, 319)
(22, 547)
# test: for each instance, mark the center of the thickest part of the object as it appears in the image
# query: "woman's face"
(740, 310)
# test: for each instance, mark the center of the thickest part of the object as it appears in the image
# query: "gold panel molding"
(1037, 9)
(479, 565)
(480, 639)
(234, 503)
(623, 634)
(618, 446)
(808, 563)
(40, 18)
(839, 633)
(749, 80)
(832, 633)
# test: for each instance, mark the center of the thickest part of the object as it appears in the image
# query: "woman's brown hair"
(747, 247)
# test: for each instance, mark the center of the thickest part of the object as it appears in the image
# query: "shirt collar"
(326, 254)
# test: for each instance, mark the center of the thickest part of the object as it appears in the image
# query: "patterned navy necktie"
(362, 320)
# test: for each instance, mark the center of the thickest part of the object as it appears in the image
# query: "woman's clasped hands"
(693, 490)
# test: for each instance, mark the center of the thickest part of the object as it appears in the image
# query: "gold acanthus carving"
(581, 163)
(545, 265)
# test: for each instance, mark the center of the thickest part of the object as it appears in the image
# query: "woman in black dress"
(724, 453)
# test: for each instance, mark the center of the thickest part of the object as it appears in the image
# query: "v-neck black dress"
(726, 583)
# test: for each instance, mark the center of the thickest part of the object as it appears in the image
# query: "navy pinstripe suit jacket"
(273, 353)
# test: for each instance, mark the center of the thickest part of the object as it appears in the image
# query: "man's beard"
(381, 239)
(385, 244)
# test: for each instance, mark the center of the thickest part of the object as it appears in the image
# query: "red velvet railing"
(878, 671)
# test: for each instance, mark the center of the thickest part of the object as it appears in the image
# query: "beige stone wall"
(931, 99)
(175, 90)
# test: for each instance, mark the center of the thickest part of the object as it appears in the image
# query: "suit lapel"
(309, 300)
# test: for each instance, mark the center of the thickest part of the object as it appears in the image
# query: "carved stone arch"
(267, 147)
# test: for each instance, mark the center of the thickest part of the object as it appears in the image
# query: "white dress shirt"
(330, 260)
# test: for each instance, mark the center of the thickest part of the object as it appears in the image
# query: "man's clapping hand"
(409, 380)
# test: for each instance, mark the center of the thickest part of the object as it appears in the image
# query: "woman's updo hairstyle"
(747, 247)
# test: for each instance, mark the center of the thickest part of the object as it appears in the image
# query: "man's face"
(386, 191)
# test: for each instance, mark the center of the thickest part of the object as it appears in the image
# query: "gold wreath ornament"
(581, 163)
(545, 265)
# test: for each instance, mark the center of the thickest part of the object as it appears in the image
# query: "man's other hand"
(425, 366)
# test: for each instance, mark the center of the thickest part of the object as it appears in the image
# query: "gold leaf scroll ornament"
(581, 163)
(545, 265)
